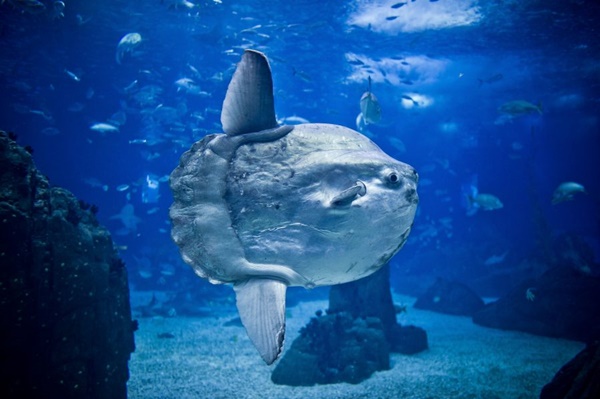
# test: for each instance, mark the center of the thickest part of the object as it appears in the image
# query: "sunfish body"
(265, 207)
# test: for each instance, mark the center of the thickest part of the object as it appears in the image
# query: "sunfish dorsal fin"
(249, 105)
(261, 304)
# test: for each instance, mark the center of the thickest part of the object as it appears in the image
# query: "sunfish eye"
(393, 178)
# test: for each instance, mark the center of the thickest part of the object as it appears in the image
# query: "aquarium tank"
(329, 199)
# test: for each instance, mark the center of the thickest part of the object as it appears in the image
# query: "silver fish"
(127, 44)
(265, 207)
(369, 106)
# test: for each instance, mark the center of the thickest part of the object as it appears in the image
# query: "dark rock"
(450, 297)
(165, 335)
(235, 322)
(579, 378)
(353, 340)
(563, 302)
(368, 297)
(573, 251)
(64, 299)
(371, 297)
(334, 348)
(408, 340)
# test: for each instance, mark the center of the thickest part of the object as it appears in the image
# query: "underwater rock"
(353, 340)
(579, 378)
(408, 340)
(334, 348)
(64, 298)
(573, 251)
(563, 302)
(450, 297)
(372, 297)
(367, 297)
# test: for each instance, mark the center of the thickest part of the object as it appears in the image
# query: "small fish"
(183, 4)
(131, 86)
(565, 191)
(355, 61)
(398, 5)
(487, 202)
(122, 187)
(495, 259)
(57, 11)
(50, 131)
(128, 219)
(145, 274)
(75, 107)
(104, 128)
(28, 6)
(80, 20)
(293, 120)
(119, 118)
(302, 75)
(409, 98)
(95, 183)
(519, 108)
(126, 45)
(194, 70)
(165, 335)
(190, 87)
(495, 78)
(41, 113)
(152, 211)
(369, 106)
(391, 18)
(397, 144)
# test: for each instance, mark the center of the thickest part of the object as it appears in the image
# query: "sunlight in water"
(417, 16)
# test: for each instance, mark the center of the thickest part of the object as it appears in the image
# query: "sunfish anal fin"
(261, 304)
(249, 105)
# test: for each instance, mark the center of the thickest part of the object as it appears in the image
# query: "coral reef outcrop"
(354, 338)
(66, 321)
(579, 378)
(563, 302)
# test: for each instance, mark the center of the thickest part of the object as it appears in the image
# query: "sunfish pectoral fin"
(249, 105)
(350, 194)
(261, 304)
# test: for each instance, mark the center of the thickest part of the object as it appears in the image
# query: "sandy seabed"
(208, 360)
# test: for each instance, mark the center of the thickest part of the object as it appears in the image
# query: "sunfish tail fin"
(249, 105)
(261, 304)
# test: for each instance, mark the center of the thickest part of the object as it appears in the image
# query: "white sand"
(207, 360)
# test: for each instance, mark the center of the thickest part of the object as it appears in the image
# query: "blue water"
(440, 71)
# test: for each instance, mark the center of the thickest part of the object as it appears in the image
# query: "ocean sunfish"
(265, 207)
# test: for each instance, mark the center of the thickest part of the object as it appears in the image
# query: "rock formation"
(563, 302)
(450, 297)
(64, 299)
(579, 378)
(353, 340)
